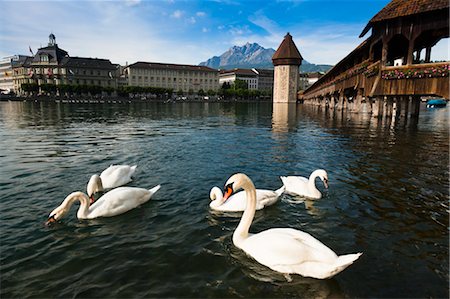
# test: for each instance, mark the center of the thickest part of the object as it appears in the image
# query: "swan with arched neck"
(112, 203)
(284, 250)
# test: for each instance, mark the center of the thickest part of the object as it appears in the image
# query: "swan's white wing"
(286, 247)
(110, 169)
(265, 198)
(118, 201)
(297, 185)
(118, 176)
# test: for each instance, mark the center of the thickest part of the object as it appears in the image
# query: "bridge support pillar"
(341, 99)
(415, 107)
(377, 107)
(405, 107)
(357, 102)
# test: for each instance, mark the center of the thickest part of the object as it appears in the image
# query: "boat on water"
(436, 103)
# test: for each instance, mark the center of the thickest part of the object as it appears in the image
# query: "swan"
(284, 250)
(112, 203)
(238, 201)
(112, 177)
(298, 185)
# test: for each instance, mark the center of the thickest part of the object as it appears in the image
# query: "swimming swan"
(238, 201)
(298, 185)
(284, 250)
(114, 202)
(112, 177)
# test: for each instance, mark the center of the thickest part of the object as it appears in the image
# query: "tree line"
(239, 89)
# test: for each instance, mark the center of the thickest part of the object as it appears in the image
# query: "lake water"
(388, 197)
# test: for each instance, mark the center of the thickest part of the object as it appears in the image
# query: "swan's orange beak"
(50, 220)
(228, 192)
(325, 183)
(91, 201)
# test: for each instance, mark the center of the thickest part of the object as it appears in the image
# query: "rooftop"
(170, 66)
(402, 8)
(287, 53)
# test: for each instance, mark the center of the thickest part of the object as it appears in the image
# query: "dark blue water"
(388, 198)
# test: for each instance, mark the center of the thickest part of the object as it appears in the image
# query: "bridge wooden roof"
(402, 8)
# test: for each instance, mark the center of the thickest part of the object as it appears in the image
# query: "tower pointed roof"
(287, 53)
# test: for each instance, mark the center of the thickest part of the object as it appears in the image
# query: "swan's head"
(94, 185)
(215, 193)
(322, 174)
(236, 182)
(56, 214)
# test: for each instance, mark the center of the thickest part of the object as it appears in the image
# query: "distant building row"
(53, 65)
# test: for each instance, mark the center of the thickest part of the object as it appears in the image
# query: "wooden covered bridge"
(387, 74)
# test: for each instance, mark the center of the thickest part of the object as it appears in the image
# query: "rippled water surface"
(388, 198)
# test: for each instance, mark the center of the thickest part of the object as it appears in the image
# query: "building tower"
(51, 40)
(286, 61)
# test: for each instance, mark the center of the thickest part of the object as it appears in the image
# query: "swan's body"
(238, 201)
(114, 202)
(112, 177)
(284, 250)
(298, 185)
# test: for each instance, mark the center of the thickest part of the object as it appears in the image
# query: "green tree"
(240, 84)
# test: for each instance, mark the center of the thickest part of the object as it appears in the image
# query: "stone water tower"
(286, 61)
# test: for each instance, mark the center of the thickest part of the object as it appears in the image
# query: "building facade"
(256, 79)
(7, 74)
(53, 65)
(172, 76)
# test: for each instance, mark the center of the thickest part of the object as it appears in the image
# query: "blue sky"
(185, 32)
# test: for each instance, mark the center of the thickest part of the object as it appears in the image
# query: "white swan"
(284, 250)
(298, 185)
(112, 177)
(114, 202)
(238, 201)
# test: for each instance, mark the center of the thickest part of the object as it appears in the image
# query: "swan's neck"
(312, 180)
(216, 197)
(83, 210)
(241, 232)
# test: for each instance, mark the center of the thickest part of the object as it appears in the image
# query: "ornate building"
(53, 65)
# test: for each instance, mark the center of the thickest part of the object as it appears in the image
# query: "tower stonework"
(286, 61)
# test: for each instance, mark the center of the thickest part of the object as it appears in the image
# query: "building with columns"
(53, 65)
(286, 61)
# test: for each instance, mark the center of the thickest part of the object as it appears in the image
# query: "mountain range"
(254, 56)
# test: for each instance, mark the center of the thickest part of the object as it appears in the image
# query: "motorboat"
(436, 103)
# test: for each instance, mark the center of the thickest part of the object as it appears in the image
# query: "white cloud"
(192, 20)
(204, 30)
(132, 2)
(177, 14)
(200, 14)
(238, 30)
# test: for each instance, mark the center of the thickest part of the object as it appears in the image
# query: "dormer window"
(44, 58)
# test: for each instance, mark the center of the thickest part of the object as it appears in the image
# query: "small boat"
(436, 103)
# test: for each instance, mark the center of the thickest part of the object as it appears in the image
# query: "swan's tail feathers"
(280, 191)
(154, 189)
(283, 179)
(343, 261)
(133, 169)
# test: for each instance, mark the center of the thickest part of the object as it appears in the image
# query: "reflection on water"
(387, 197)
